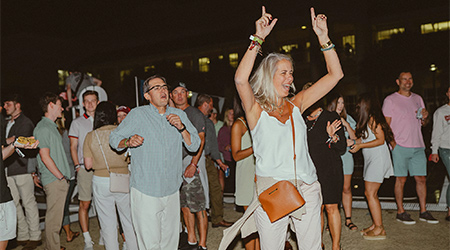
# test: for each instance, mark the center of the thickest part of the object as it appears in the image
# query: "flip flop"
(74, 235)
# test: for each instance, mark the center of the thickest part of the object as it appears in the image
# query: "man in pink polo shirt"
(405, 112)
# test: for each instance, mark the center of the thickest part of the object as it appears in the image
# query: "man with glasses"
(155, 134)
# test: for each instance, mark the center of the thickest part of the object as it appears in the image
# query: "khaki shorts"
(84, 183)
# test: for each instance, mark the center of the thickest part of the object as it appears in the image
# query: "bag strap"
(103, 153)
(293, 142)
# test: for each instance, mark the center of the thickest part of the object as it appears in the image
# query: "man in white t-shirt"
(77, 133)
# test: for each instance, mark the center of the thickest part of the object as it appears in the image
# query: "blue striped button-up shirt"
(156, 165)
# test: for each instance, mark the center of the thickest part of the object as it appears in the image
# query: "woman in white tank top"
(267, 107)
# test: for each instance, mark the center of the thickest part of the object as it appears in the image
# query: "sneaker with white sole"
(426, 216)
(405, 218)
(89, 245)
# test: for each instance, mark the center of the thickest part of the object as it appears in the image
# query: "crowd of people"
(157, 172)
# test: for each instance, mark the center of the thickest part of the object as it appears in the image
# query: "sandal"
(365, 230)
(350, 225)
(370, 235)
(74, 236)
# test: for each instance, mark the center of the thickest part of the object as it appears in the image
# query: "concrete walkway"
(421, 236)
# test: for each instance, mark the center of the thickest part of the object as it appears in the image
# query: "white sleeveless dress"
(377, 161)
(245, 173)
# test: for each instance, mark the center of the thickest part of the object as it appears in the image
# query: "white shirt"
(440, 137)
(273, 148)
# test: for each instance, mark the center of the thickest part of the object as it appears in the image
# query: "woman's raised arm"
(264, 26)
(306, 98)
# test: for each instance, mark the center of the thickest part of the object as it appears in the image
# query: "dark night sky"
(38, 37)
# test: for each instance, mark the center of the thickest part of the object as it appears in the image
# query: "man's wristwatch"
(183, 129)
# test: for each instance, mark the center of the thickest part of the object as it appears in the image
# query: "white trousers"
(22, 188)
(105, 204)
(309, 235)
(156, 220)
(7, 221)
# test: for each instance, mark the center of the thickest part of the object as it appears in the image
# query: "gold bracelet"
(327, 44)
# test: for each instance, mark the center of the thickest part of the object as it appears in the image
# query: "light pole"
(433, 70)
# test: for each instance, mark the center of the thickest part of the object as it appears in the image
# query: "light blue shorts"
(412, 160)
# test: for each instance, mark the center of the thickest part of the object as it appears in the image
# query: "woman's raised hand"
(319, 24)
(265, 24)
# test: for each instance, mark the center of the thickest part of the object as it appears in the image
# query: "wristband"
(183, 129)
(354, 141)
(127, 141)
(62, 178)
(195, 165)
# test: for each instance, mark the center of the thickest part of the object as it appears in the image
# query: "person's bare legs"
(3, 244)
(421, 190)
(347, 199)
(371, 193)
(189, 221)
(252, 241)
(83, 216)
(398, 190)
(202, 218)
(69, 233)
(334, 223)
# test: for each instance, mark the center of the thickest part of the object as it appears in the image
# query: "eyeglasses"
(159, 87)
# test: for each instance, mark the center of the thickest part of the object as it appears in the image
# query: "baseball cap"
(123, 109)
(180, 84)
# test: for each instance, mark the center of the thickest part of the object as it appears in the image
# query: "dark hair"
(105, 114)
(332, 105)
(237, 108)
(202, 98)
(367, 107)
(16, 98)
(48, 98)
(146, 87)
(90, 92)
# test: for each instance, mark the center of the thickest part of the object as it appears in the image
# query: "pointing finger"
(313, 15)
(263, 10)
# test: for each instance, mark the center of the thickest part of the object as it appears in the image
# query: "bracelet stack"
(327, 46)
(256, 42)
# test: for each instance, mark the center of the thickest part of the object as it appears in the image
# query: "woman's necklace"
(280, 108)
(315, 120)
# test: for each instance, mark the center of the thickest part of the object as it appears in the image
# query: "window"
(62, 75)
(124, 73)
(203, 64)
(308, 53)
(349, 43)
(288, 48)
(386, 34)
(179, 65)
(234, 59)
(149, 68)
(434, 27)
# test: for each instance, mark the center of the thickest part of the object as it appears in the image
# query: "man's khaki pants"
(56, 195)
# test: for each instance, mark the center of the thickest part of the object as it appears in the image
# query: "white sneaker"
(89, 245)
(100, 241)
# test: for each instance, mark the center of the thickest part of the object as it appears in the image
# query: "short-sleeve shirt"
(198, 120)
(406, 127)
(74, 78)
(79, 129)
(47, 133)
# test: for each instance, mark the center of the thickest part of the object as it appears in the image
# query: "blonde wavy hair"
(262, 81)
